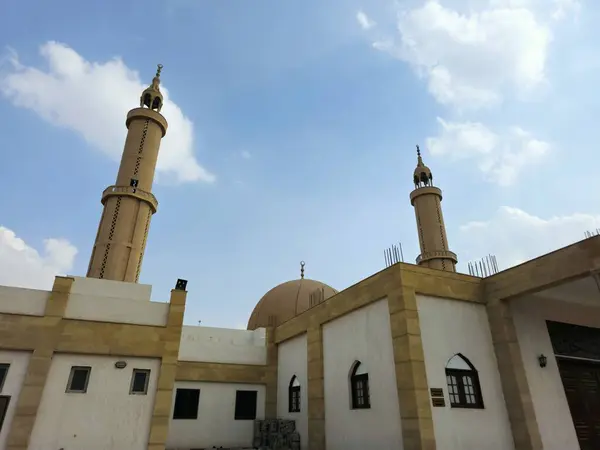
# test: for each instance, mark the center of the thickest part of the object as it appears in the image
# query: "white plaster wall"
(223, 345)
(292, 360)
(110, 288)
(449, 327)
(546, 388)
(30, 302)
(363, 335)
(215, 425)
(116, 310)
(104, 418)
(12, 385)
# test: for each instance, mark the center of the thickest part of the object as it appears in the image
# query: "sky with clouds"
(292, 132)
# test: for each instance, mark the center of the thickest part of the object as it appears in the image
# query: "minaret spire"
(129, 204)
(426, 200)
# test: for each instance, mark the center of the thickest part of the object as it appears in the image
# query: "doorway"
(581, 380)
(577, 351)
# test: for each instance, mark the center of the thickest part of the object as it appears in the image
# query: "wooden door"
(581, 381)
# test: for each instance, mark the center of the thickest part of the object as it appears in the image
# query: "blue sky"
(292, 134)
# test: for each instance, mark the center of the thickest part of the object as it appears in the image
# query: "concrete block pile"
(276, 434)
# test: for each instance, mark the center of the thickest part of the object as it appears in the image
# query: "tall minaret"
(129, 204)
(430, 222)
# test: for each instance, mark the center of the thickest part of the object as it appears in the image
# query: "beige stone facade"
(399, 283)
(53, 334)
(118, 253)
(44, 336)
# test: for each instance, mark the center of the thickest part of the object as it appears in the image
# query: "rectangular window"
(79, 379)
(245, 405)
(3, 374)
(186, 404)
(4, 401)
(139, 381)
(453, 390)
(360, 391)
(463, 389)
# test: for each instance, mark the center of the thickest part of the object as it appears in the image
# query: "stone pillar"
(411, 379)
(161, 415)
(316, 387)
(271, 376)
(526, 434)
(30, 396)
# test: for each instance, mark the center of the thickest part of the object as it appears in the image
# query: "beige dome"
(288, 300)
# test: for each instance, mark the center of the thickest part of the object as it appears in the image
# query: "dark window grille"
(245, 405)
(294, 395)
(186, 404)
(4, 401)
(3, 374)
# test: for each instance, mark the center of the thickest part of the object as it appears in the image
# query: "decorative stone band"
(145, 113)
(442, 254)
(129, 191)
(424, 191)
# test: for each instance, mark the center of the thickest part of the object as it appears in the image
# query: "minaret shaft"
(141, 151)
(433, 242)
(129, 204)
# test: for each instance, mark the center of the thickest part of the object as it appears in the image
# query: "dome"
(288, 300)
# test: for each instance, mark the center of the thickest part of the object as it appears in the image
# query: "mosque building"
(414, 357)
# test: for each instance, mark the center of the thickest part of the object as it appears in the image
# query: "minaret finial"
(156, 80)
(152, 97)
(302, 264)
(419, 159)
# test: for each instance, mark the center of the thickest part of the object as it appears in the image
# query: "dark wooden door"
(581, 381)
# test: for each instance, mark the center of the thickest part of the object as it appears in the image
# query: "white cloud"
(246, 154)
(23, 266)
(515, 236)
(92, 99)
(500, 157)
(563, 8)
(365, 22)
(472, 58)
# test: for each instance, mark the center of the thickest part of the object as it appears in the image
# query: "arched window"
(294, 395)
(463, 383)
(147, 100)
(359, 386)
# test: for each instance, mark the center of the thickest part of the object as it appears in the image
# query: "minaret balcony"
(425, 190)
(130, 191)
(440, 254)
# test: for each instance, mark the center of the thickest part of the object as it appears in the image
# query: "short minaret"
(426, 200)
(129, 204)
